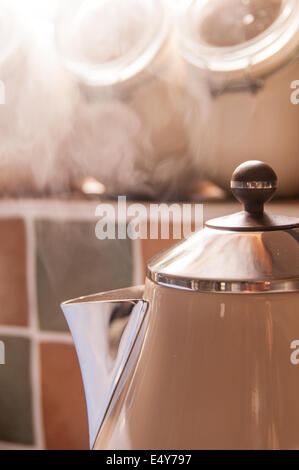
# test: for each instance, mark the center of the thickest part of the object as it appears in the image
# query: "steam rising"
(36, 117)
(52, 136)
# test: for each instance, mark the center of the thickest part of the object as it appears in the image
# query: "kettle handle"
(104, 328)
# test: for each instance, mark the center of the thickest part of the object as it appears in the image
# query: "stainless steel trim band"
(231, 287)
(253, 184)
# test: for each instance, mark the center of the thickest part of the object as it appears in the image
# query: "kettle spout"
(104, 328)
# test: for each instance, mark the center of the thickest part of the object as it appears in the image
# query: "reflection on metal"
(226, 261)
(104, 328)
(231, 287)
(253, 184)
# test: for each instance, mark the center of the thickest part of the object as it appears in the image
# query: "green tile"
(72, 262)
(15, 392)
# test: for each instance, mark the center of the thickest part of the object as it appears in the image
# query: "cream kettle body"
(204, 355)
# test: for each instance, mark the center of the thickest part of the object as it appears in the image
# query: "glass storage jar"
(131, 76)
(242, 58)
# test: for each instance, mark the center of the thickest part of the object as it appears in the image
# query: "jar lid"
(248, 252)
(233, 35)
(105, 42)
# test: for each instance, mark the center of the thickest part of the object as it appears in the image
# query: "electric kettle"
(206, 353)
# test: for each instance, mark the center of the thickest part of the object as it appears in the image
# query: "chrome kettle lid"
(248, 252)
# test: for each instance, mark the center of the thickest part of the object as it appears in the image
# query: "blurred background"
(158, 100)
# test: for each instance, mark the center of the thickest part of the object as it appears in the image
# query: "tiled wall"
(49, 253)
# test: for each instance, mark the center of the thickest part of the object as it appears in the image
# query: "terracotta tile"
(151, 248)
(64, 410)
(72, 262)
(15, 393)
(13, 288)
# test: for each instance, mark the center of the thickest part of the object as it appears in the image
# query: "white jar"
(122, 53)
(242, 57)
(35, 118)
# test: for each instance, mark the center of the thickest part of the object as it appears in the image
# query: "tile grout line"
(34, 328)
(41, 336)
(54, 337)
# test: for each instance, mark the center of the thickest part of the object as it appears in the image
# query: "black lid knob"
(254, 183)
